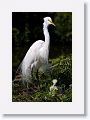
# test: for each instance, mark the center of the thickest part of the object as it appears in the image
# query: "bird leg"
(27, 86)
(37, 75)
(32, 73)
(38, 80)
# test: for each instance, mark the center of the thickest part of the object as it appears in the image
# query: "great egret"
(38, 53)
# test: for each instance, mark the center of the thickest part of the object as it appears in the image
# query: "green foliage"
(39, 90)
(63, 64)
(63, 23)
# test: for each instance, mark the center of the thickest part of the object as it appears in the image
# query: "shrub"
(39, 90)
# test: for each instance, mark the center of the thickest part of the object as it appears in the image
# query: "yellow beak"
(50, 22)
(53, 24)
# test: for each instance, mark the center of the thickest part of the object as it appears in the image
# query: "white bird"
(53, 88)
(38, 53)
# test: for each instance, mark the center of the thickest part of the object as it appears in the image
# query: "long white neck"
(46, 34)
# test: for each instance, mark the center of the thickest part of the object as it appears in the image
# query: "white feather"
(37, 55)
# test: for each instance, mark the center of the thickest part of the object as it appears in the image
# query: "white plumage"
(38, 53)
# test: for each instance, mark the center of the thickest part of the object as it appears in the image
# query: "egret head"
(54, 81)
(48, 21)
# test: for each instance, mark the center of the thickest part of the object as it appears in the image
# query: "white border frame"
(77, 104)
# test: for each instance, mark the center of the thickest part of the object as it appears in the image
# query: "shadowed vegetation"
(26, 29)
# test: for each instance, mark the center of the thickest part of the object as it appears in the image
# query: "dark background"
(27, 27)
